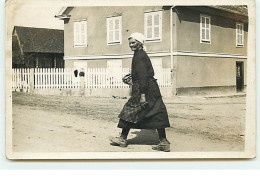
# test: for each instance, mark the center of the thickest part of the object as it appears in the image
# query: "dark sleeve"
(142, 73)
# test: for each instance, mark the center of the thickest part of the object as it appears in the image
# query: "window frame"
(205, 41)
(240, 44)
(75, 43)
(153, 13)
(114, 42)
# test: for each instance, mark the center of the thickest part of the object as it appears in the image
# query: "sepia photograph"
(124, 80)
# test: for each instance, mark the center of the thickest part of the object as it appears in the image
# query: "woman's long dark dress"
(154, 116)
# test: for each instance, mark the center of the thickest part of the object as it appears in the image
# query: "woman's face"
(134, 44)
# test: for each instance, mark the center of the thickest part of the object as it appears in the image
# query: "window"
(239, 34)
(205, 29)
(114, 26)
(153, 26)
(80, 34)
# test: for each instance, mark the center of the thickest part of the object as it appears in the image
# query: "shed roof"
(40, 40)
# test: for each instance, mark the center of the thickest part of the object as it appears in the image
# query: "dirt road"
(82, 124)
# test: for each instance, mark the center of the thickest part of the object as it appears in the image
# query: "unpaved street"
(81, 124)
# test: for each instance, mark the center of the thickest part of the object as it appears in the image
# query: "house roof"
(63, 13)
(40, 40)
(242, 10)
(236, 9)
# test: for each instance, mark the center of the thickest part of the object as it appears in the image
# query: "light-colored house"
(205, 47)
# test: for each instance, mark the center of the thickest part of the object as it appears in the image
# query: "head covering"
(137, 36)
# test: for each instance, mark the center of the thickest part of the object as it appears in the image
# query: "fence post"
(31, 88)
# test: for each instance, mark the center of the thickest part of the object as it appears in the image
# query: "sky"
(37, 15)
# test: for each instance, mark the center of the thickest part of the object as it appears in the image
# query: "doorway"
(239, 76)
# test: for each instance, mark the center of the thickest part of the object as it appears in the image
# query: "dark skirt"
(153, 116)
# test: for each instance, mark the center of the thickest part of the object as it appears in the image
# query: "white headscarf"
(139, 37)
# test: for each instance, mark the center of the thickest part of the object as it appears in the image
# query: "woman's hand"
(143, 101)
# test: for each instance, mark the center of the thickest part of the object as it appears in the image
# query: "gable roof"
(40, 40)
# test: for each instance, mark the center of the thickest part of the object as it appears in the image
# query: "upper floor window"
(239, 34)
(114, 26)
(80, 34)
(153, 26)
(205, 29)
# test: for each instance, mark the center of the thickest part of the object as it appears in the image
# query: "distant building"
(37, 48)
(205, 46)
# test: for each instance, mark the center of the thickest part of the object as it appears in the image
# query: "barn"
(37, 48)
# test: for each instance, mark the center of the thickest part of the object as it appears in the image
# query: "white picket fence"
(164, 78)
(21, 79)
(64, 78)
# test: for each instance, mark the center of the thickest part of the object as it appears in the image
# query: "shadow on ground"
(144, 137)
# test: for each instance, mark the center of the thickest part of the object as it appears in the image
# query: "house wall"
(132, 21)
(126, 62)
(223, 33)
(212, 74)
(205, 74)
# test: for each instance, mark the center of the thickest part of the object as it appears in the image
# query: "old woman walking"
(145, 108)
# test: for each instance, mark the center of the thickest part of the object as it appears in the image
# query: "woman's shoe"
(164, 145)
(118, 141)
